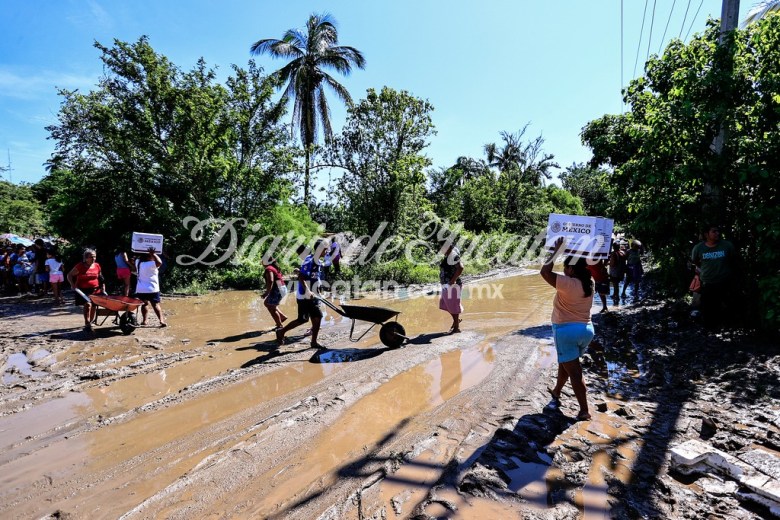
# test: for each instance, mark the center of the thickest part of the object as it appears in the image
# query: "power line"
(667, 26)
(684, 18)
(639, 44)
(650, 38)
(693, 20)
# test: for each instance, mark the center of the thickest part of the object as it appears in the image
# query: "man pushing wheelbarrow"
(309, 307)
(392, 334)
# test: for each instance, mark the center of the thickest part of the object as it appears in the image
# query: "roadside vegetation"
(158, 149)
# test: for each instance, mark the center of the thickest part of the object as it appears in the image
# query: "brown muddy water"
(214, 380)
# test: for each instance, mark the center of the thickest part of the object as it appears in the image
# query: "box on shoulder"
(141, 242)
(585, 236)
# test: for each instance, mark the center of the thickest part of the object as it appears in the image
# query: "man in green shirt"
(715, 261)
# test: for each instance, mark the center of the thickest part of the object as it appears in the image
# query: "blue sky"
(485, 66)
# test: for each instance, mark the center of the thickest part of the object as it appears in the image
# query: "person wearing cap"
(715, 260)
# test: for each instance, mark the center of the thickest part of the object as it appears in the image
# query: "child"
(56, 271)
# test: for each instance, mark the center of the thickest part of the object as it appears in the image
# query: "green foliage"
(594, 189)
(20, 212)
(152, 145)
(380, 150)
(670, 176)
(313, 52)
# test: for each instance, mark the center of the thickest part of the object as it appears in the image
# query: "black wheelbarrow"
(392, 333)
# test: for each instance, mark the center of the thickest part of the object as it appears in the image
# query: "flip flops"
(583, 416)
(556, 398)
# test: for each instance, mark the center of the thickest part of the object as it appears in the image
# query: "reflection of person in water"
(572, 328)
(451, 376)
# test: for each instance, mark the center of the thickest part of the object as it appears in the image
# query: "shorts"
(41, 277)
(86, 290)
(602, 287)
(122, 273)
(56, 278)
(309, 309)
(634, 273)
(450, 299)
(571, 340)
(276, 296)
(152, 297)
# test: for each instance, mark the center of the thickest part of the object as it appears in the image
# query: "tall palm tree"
(761, 10)
(310, 53)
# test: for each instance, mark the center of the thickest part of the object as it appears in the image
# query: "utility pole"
(729, 17)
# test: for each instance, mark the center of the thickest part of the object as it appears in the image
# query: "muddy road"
(209, 418)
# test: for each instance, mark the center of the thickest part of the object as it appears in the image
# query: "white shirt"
(148, 277)
(55, 267)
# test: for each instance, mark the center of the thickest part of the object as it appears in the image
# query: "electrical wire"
(682, 27)
(639, 44)
(693, 19)
(650, 38)
(667, 26)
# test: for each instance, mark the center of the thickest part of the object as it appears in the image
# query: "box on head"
(585, 236)
(141, 242)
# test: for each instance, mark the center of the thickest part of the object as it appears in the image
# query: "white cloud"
(41, 84)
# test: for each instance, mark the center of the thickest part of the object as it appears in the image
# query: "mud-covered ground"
(208, 418)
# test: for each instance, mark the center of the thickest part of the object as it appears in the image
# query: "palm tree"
(311, 52)
(761, 10)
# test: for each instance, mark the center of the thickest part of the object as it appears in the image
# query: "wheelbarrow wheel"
(392, 334)
(127, 323)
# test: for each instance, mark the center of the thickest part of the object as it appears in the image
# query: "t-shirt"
(120, 261)
(598, 272)
(87, 276)
(148, 277)
(715, 263)
(55, 267)
(570, 304)
(310, 271)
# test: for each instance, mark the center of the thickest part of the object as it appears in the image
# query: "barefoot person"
(309, 308)
(147, 287)
(275, 291)
(86, 276)
(450, 270)
(572, 328)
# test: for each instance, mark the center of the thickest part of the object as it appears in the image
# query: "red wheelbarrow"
(392, 333)
(113, 305)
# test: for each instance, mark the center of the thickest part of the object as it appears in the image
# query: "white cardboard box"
(585, 236)
(143, 241)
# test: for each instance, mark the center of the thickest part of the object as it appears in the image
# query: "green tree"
(311, 52)
(447, 185)
(592, 186)
(152, 145)
(661, 154)
(20, 211)
(380, 151)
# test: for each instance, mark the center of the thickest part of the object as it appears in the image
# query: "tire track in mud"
(316, 405)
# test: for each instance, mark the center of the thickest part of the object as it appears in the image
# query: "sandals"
(556, 398)
(318, 346)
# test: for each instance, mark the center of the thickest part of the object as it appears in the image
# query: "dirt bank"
(209, 418)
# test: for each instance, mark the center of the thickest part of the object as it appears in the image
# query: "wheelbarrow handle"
(80, 293)
(328, 304)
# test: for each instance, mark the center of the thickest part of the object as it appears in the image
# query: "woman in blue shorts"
(572, 328)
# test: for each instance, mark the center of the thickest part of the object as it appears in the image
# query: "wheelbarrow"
(111, 306)
(391, 334)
